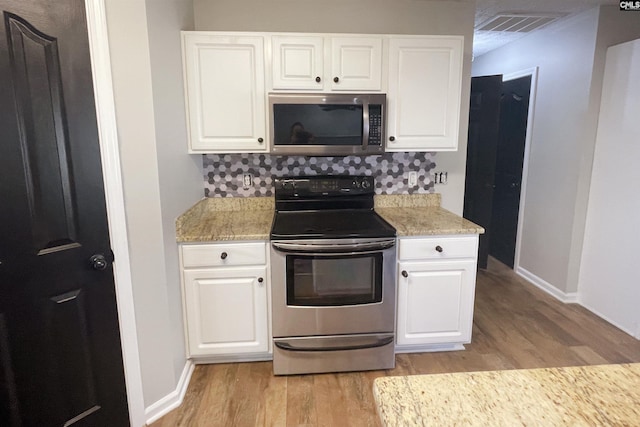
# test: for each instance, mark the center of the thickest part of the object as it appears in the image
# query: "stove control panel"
(323, 185)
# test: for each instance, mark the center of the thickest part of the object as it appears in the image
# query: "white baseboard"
(569, 297)
(428, 348)
(173, 399)
(565, 297)
(614, 323)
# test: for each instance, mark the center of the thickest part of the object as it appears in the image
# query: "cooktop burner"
(327, 224)
(327, 207)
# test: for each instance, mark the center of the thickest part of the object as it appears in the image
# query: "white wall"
(361, 16)
(614, 27)
(564, 54)
(180, 174)
(571, 60)
(609, 274)
(149, 205)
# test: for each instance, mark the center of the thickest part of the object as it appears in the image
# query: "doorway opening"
(497, 160)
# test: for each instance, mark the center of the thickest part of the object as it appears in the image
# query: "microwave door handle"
(365, 125)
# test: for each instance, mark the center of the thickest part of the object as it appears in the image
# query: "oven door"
(330, 287)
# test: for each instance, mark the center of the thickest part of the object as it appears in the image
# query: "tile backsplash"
(223, 173)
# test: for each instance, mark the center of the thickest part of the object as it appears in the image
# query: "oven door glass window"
(334, 280)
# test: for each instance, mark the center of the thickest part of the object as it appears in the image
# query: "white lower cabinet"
(226, 301)
(436, 290)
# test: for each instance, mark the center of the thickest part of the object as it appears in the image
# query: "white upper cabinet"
(423, 102)
(356, 63)
(297, 62)
(225, 92)
(345, 63)
(227, 77)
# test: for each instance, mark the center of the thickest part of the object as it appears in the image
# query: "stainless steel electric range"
(332, 275)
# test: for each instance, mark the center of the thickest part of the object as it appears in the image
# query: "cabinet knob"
(260, 280)
(318, 79)
(439, 248)
(404, 273)
(223, 255)
(336, 79)
(392, 138)
(260, 140)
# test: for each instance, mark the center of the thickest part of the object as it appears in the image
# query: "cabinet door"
(225, 95)
(356, 63)
(435, 302)
(297, 62)
(226, 311)
(425, 76)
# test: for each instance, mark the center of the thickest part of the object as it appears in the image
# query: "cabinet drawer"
(224, 254)
(438, 248)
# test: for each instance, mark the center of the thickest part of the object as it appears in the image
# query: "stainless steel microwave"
(327, 124)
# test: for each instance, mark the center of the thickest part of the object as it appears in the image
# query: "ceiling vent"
(518, 22)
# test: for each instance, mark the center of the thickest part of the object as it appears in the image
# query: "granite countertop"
(421, 215)
(576, 396)
(232, 218)
(250, 218)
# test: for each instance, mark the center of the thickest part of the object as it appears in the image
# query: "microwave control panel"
(375, 124)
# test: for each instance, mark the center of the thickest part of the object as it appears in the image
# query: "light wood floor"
(515, 326)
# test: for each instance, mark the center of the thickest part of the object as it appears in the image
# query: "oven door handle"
(321, 248)
(373, 343)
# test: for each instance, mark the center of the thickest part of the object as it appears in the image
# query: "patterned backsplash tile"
(223, 173)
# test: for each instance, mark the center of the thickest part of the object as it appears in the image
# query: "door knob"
(98, 262)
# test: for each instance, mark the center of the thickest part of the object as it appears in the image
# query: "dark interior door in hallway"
(514, 111)
(60, 353)
(484, 122)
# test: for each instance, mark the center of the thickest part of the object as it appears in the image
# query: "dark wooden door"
(60, 353)
(484, 119)
(514, 111)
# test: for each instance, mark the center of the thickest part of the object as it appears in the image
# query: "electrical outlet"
(440, 177)
(247, 181)
(413, 179)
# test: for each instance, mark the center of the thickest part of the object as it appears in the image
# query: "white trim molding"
(174, 399)
(567, 298)
(533, 72)
(608, 319)
(114, 194)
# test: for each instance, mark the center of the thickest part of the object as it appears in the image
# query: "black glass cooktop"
(328, 224)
